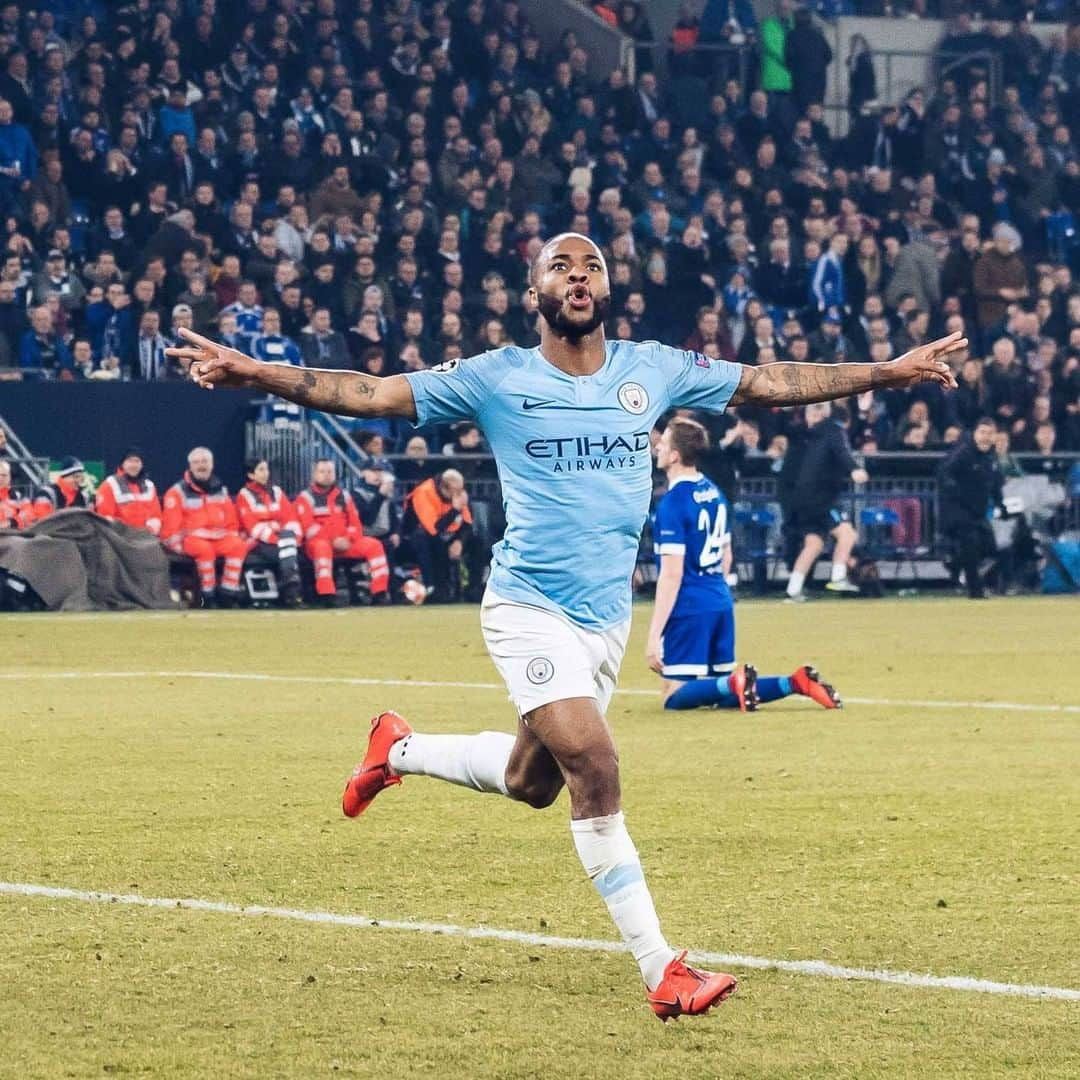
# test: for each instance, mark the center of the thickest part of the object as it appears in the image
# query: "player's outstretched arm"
(348, 393)
(802, 384)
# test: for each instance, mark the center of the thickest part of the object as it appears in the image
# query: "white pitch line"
(817, 968)
(341, 680)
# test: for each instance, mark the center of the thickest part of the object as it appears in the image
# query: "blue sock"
(698, 692)
(773, 687)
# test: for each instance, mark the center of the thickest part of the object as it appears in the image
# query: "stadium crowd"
(362, 185)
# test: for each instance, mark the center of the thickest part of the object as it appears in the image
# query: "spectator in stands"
(862, 80)
(272, 345)
(18, 155)
(130, 496)
(43, 353)
(248, 314)
(376, 505)
(970, 398)
(16, 511)
(710, 330)
(970, 487)
(12, 327)
(468, 440)
(1008, 385)
(66, 492)
(416, 466)
(199, 520)
(203, 304)
(269, 519)
(780, 282)
(439, 525)
(914, 273)
(322, 346)
(828, 286)
(775, 74)
(830, 345)
(332, 530)
(150, 363)
(57, 280)
(807, 56)
(1000, 277)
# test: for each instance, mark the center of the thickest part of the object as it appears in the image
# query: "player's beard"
(551, 309)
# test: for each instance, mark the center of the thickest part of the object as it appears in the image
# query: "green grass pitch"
(930, 839)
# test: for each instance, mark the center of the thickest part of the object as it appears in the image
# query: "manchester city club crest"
(540, 670)
(633, 398)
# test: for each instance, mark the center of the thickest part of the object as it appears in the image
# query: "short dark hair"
(689, 438)
(986, 421)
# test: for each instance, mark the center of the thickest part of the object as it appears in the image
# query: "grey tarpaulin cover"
(77, 561)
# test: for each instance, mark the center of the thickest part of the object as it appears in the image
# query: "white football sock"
(795, 582)
(611, 861)
(475, 761)
(839, 571)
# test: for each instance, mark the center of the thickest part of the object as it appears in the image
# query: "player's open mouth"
(579, 297)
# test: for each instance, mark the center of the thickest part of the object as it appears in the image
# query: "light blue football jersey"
(574, 461)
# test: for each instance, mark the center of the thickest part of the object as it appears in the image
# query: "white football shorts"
(544, 657)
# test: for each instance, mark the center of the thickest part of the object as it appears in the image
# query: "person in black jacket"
(816, 471)
(862, 80)
(969, 487)
(374, 497)
(807, 55)
(780, 282)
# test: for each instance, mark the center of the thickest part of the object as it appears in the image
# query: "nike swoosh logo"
(528, 405)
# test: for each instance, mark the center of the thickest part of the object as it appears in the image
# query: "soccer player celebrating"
(692, 634)
(568, 423)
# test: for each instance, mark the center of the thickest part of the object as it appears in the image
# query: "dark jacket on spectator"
(994, 272)
(817, 467)
(807, 56)
(12, 324)
(325, 351)
(958, 278)
(915, 272)
(780, 286)
(48, 353)
(970, 485)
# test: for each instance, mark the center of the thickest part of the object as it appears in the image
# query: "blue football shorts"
(697, 645)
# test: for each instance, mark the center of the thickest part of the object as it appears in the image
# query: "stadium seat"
(753, 547)
(879, 526)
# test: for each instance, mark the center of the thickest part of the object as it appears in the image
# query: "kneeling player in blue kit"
(692, 634)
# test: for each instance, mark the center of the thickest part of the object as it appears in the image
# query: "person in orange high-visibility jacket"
(66, 493)
(267, 516)
(16, 511)
(440, 529)
(332, 527)
(199, 520)
(130, 496)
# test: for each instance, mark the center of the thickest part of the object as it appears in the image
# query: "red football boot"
(808, 682)
(373, 773)
(685, 991)
(742, 682)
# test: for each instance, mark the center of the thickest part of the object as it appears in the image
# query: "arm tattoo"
(802, 384)
(347, 393)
